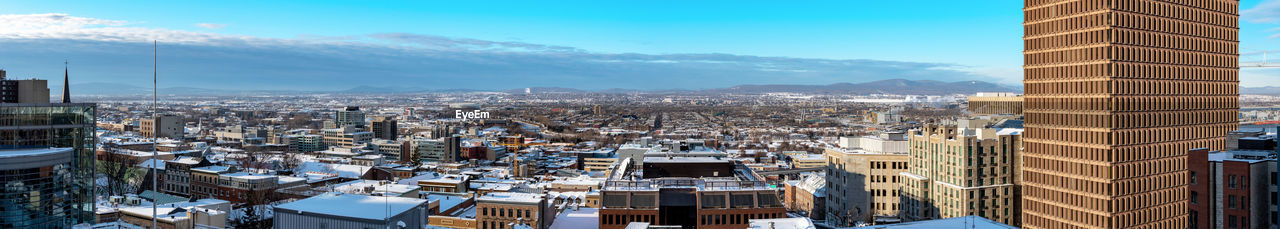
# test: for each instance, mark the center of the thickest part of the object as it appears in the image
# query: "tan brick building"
(1116, 92)
(862, 185)
(964, 169)
(995, 103)
(502, 210)
(167, 126)
(807, 196)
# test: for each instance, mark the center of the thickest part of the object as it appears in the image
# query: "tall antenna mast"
(154, 139)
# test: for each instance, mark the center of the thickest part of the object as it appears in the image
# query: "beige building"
(963, 169)
(346, 136)
(805, 161)
(862, 185)
(163, 126)
(601, 164)
(447, 184)
(503, 210)
(447, 221)
(1116, 93)
(995, 103)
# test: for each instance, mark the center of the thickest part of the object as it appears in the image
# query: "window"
(1231, 182)
(1231, 222)
(1231, 202)
(1195, 198)
(1193, 177)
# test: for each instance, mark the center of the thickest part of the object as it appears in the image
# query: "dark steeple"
(66, 85)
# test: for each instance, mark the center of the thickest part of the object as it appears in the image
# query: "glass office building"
(46, 164)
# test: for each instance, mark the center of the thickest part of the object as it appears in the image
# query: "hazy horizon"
(457, 45)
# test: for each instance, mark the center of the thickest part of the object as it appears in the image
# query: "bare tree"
(119, 173)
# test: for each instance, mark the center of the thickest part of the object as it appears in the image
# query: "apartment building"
(177, 175)
(384, 127)
(968, 168)
(862, 186)
(509, 210)
(693, 192)
(163, 126)
(346, 137)
(1234, 188)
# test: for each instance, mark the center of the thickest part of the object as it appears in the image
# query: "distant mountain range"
(892, 86)
(1260, 90)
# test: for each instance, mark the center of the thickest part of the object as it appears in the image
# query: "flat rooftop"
(11, 153)
(511, 197)
(685, 160)
(965, 222)
(1249, 156)
(352, 205)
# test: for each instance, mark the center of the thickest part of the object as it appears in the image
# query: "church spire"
(66, 85)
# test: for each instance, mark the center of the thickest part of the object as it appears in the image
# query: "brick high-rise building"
(1116, 93)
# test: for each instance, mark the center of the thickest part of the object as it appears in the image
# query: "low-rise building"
(806, 161)
(204, 180)
(177, 174)
(448, 184)
(714, 193)
(392, 150)
(500, 210)
(599, 164)
(339, 210)
(243, 187)
(808, 196)
(346, 137)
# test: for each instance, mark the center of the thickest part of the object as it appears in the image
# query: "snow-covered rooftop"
(351, 205)
(581, 218)
(8, 153)
(781, 223)
(964, 222)
(529, 198)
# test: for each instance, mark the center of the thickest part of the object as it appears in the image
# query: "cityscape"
(1115, 114)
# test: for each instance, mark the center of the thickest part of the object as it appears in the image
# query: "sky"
(333, 45)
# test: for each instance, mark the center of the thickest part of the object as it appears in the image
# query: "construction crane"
(1262, 64)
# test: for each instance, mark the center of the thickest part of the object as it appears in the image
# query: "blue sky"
(979, 40)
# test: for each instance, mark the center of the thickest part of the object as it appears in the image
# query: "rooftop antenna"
(154, 154)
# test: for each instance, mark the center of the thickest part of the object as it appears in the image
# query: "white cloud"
(1266, 12)
(62, 26)
(430, 60)
(211, 25)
